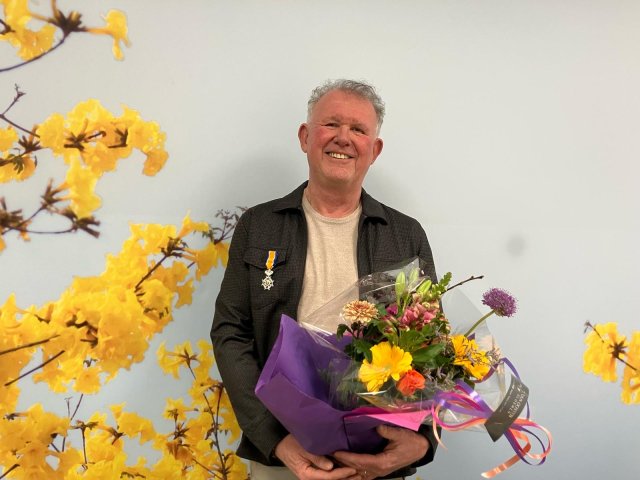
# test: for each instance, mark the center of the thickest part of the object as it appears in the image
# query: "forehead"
(344, 105)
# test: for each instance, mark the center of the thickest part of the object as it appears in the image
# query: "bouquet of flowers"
(392, 356)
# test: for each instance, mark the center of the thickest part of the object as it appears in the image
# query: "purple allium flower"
(500, 301)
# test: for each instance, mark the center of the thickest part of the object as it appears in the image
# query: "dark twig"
(473, 277)
(9, 471)
(27, 345)
(34, 369)
(37, 57)
(616, 349)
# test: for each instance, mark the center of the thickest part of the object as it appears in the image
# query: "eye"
(331, 124)
(359, 130)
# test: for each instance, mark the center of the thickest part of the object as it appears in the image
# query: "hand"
(404, 448)
(308, 466)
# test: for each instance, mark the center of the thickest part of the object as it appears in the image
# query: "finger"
(335, 474)
(355, 460)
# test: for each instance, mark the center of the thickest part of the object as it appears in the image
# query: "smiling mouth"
(341, 156)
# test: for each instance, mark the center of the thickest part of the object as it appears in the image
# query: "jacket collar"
(371, 208)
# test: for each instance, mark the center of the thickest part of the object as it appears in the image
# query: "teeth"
(338, 155)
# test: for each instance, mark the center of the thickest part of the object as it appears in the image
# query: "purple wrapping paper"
(291, 387)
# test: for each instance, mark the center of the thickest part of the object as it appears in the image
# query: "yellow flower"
(236, 468)
(8, 172)
(599, 357)
(116, 27)
(88, 381)
(132, 424)
(175, 410)
(631, 377)
(8, 137)
(52, 133)
(81, 183)
(154, 162)
(30, 43)
(229, 421)
(387, 361)
(156, 296)
(189, 226)
(170, 361)
(167, 468)
(185, 293)
(470, 356)
(208, 257)
(155, 236)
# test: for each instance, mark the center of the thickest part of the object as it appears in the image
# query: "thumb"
(388, 432)
(323, 463)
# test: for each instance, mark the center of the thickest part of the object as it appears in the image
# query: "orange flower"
(410, 382)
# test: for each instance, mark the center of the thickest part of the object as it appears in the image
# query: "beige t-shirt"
(331, 264)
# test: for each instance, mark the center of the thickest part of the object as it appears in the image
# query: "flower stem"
(475, 325)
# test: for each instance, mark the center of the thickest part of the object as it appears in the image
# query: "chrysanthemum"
(359, 311)
(500, 301)
(387, 361)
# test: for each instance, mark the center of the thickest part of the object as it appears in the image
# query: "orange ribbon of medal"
(267, 281)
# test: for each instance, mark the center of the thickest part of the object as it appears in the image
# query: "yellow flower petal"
(598, 358)
(387, 361)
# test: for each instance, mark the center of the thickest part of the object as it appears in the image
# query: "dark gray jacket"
(247, 317)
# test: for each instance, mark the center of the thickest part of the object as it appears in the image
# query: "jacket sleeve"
(232, 335)
(424, 252)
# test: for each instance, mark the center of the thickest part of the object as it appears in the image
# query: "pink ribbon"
(466, 401)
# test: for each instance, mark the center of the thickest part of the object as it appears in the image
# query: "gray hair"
(354, 87)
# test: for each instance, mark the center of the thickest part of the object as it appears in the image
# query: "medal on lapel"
(267, 281)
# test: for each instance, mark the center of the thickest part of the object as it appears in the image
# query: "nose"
(343, 135)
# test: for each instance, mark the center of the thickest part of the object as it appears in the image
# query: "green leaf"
(341, 329)
(363, 347)
(427, 355)
(409, 339)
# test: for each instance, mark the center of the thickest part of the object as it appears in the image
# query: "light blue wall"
(511, 134)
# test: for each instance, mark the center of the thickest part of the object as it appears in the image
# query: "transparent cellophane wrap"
(377, 288)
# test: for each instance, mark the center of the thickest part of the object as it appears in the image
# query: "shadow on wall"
(516, 245)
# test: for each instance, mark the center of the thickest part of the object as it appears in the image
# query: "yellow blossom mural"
(102, 325)
(608, 351)
(32, 30)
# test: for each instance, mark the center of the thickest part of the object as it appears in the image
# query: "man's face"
(340, 140)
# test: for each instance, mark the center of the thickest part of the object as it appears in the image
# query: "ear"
(377, 149)
(303, 134)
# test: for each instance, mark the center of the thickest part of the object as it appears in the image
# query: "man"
(290, 256)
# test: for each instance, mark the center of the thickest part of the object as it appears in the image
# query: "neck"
(332, 203)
